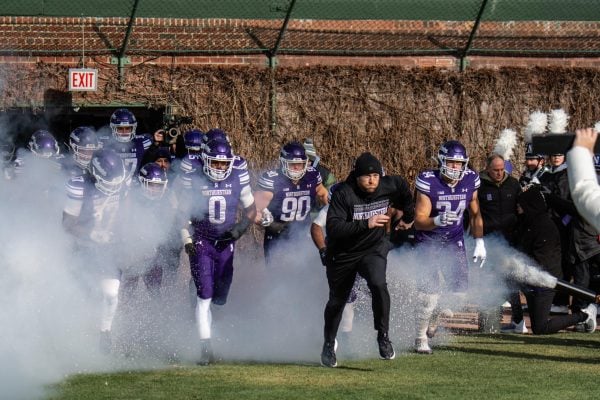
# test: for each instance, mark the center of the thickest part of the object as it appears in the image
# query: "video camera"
(172, 121)
(556, 143)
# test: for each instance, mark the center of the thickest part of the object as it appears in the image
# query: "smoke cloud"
(51, 296)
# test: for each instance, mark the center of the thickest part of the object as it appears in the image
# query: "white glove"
(446, 218)
(479, 253)
(267, 217)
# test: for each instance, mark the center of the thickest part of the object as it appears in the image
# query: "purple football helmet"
(108, 169)
(293, 160)
(452, 151)
(123, 125)
(154, 180)
(215, 133)
(193, 141)
(43, 144)
(83, 142)
(218, 159)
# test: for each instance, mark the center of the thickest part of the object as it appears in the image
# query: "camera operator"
(159, 141)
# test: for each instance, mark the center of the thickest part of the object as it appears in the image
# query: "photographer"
(582, 176)
(159, 141)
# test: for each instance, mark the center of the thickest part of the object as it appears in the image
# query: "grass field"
(476, 366)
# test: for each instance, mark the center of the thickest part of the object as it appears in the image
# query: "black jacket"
(348, 233)
(538, 236)
(498, 204)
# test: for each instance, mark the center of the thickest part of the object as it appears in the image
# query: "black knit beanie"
(367, 164)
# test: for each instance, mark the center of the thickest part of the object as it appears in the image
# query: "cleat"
(515, 328)
(386, 351)
(328, 358)
(422, 346)
(590, 323)
(105, 342)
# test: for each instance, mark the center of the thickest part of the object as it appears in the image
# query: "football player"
(442, 197)
(83, 141)
(150, 205)
(91, 216)
(124, 141)
(211, 195)
(285, 198)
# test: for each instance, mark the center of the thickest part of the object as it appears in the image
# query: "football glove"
(479, 254)
(446, 218)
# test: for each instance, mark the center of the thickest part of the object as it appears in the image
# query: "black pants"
(582, 277)
(341, 276)
(539, 302)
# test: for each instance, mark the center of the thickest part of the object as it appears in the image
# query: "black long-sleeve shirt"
(348, 233)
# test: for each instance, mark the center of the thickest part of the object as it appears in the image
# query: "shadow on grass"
(541, 340)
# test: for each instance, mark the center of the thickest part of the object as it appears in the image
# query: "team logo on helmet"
(153, 179)
(294, 161)
(43, 144)
(452, 151)
(123, 125)
(108, 170)
(217, 158)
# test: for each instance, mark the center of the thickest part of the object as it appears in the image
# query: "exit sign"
(83, 79)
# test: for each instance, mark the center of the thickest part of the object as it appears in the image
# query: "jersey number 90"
(295, 208)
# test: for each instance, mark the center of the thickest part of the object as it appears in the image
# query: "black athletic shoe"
(105, 343)
(206, 354)
(386, 351)
(328, 358)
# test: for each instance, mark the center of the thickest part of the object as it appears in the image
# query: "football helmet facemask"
(43, 144)
(218, 160)
(154, 181)
(193, 141)
(83, 142)
(123, 125)
(108, 169)
(294, 161)
(452, 151)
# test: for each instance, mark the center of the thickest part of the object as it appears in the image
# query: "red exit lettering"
(82, 79)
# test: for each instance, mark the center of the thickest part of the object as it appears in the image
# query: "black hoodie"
(348, 233)
(537, 235)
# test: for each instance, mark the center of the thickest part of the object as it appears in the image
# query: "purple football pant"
(212, 271)
(448, 268)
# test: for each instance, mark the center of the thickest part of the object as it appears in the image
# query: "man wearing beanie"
(357, 244)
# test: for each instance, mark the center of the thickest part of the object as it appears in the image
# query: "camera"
(171, 125)
(556, 143)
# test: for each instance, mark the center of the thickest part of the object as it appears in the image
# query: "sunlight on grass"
(469, 367)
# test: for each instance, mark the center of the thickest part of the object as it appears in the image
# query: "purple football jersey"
(95, 211)
(213, 205)
(446, 198)
(291, 202)
(131, 152)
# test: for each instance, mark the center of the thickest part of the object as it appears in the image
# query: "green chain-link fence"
(551, 28)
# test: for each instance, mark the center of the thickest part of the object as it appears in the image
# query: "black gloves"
(277, 227)
(323, 255)
(232, 235)
(190, 249)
